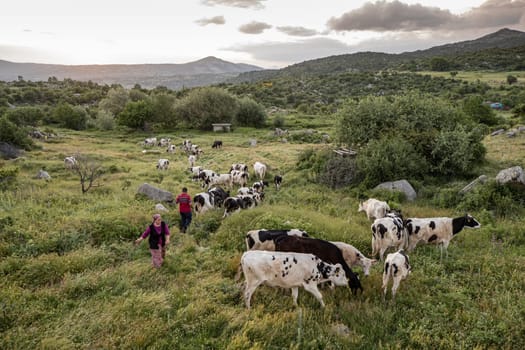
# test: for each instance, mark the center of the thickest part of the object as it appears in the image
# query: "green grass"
(493, 79)
(71, 278)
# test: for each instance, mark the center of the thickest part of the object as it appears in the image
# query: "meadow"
(72, 279)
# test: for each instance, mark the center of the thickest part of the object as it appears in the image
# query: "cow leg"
(386, 277)
(395, 286)
(374, 247)
(381, 253)
(295, 293)
(250, 288)
(312, 288)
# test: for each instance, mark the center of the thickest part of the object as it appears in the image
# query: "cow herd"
(292, 259)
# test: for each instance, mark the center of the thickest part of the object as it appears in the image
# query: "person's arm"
(167, 233)
(142, 236)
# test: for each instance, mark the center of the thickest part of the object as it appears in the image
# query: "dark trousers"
(185, 220)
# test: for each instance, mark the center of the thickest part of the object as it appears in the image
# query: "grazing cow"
(397, 267)
(260, 170)
(150, 142)
(374, 208)
(265, 239)
(163, 164)
(354, 257)
(245, 190)
(221, 179)
(240, 167)
(202, 203)
(388, 232)
(171, 149)
(163, 142)
(195, 170)
(218, 196)
(288, 270)
(186, 145)
(277, 180)
(437, 230)
(217, 144)
(325, 250)
(239, 177)
(235, 204)
(192, 159)
(259, 186)
(70, 162)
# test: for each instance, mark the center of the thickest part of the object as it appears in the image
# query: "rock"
(400, 185)
(513, 174)
(481, 179)
(253, 142)
(497, 132)
(160, 207)
(511, 133)
(155, 193)
(42, 174)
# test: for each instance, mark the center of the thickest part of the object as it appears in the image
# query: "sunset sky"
(266, 33)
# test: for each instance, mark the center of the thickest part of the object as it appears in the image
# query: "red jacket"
(184, 202)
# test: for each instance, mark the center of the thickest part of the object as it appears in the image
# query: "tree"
(136, 115)
(474, 107)
(88, 171)
(115, 101)
(205, 106)
(163, 109)
(25, 115)
(71, 117)
(250, 113)
(439, 64)
(15, 135)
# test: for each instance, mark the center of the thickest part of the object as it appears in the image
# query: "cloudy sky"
(267, 33)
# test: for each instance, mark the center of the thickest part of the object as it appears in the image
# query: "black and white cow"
(70, 162)
(388, 232)
(163, 164)
(397, 267)
(239, 166)
(323, 249)
(277, 180)
(288, 270)
(439, 230)
(259, 186)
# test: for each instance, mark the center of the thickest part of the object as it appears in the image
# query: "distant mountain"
(206, 71)
(482, 53)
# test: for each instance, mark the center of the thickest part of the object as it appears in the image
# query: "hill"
(207, 71)
(465, 55)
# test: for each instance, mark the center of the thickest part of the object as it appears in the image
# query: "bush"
(250, 113)
(15, 135)
(339, 172)
(105, 120)
(7, 177)
(71, 117)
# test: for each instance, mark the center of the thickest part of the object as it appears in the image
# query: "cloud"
(254, 27)
(285, 53)
(255, 4)
(297, 31)
(213, 20)
(385, 16)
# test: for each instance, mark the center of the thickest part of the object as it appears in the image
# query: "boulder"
(156, 194)
(401, 186)
(481, 179)
(497, 132)
(513, 174)
(160, 207)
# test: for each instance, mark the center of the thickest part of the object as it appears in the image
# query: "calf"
(323, 249)
(374, 208)
(217, 144)
(288, 270)
(163, 164)
(265, 239)
(277, 180)
(388, 232)
(354, 257)
(397, 267)
(437, 230)
(192, 159)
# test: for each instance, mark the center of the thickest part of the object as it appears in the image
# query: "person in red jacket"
(184, 202)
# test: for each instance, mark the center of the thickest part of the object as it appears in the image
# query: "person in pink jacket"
(159, 237)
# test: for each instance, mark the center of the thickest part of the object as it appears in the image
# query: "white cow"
(192, 159)
(171, 149)
(150, 142)
(397, 267)
(163, 164)
(288, 270)
(374, 208)
(354, 257)
(70, 162)
(260, 170)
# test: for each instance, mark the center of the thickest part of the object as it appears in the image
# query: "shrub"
(339, 172)
(250, 113)
(71, 117)
(105, 120)
(15, 135)
(7, 177)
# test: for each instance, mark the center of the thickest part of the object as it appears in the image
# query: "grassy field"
(71, 278)
(493, 79)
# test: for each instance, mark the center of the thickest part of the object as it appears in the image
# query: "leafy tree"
(105, 120)
(14, 135)
(136, 115)
(71, 117)
(115, 101)
(164, 110)
(25, 115)
(250, 113)
(474, 107)
(205, 106)
(439, 64)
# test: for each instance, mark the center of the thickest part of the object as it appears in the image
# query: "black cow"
(324, 250)
(217, 144)
(277, 180)
(265, 239)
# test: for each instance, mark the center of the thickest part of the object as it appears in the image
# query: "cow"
(70, 162)
(163, 164)
(265, 239)
(235, 204)
(437, 230)
(260, 170)
(239, 177)
(259, 186)
(245, 190)
(171, 149)
(221, 179)
(397, 267)
(288, 270)
(163, 142)
(325, 250)
(150, 142)
(374, 208)
(239, 166)
(202, 203)
(186, 145)
(192, 159)
(218, 196)
(388, 232)
(277, 180)
(354, 257)
(217, 144)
